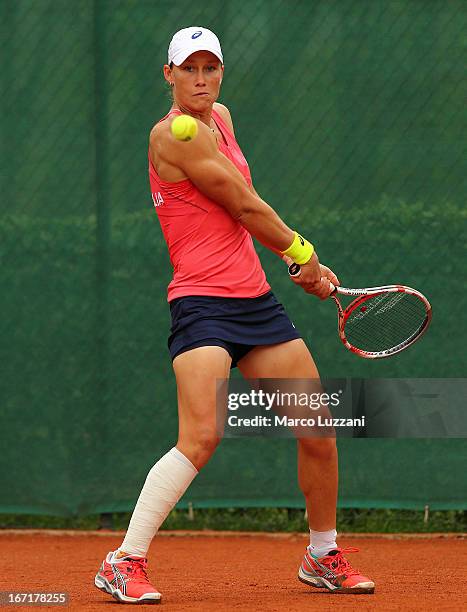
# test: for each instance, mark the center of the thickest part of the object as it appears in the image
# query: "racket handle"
(295, 271)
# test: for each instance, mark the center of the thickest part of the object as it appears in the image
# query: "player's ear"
(167, 70)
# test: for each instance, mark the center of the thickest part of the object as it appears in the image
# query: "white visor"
(187, 41)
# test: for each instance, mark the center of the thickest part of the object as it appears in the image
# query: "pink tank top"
(211, 253)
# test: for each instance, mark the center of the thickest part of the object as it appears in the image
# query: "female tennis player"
(224, 314)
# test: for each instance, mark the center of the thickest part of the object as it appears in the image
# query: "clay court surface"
(240, 572)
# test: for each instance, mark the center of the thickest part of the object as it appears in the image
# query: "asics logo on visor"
(196, 35)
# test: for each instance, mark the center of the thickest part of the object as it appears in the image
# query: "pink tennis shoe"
(126, 580)
(334, 572)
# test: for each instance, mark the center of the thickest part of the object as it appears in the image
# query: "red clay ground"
(232, 572)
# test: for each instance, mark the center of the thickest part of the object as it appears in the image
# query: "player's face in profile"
(197, 81)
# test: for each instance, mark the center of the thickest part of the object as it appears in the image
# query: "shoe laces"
(339, 563)
(137, 567)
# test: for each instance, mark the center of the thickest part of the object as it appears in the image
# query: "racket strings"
(384, 321)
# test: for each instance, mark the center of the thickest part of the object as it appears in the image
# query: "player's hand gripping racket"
(381, 321)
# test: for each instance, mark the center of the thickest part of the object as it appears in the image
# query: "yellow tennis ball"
(184, 128)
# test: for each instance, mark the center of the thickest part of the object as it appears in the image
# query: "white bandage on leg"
(165, 484)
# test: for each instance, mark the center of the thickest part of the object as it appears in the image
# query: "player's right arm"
(217, 177)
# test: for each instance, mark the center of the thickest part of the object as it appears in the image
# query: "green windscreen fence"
(351, 114)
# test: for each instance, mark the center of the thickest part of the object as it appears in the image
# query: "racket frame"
(361, 296)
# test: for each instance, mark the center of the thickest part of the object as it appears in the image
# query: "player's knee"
(200, 447)
(207, 441)
(323, 449)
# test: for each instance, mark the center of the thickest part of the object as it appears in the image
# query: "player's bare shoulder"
(166, 147)
(159, 137)
(225, 114)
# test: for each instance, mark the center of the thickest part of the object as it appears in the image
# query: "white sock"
(165, 484)
(321, 542)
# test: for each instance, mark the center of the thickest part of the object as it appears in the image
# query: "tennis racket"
(381, 321)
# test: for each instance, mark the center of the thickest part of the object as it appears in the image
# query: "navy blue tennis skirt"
(237, 324)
